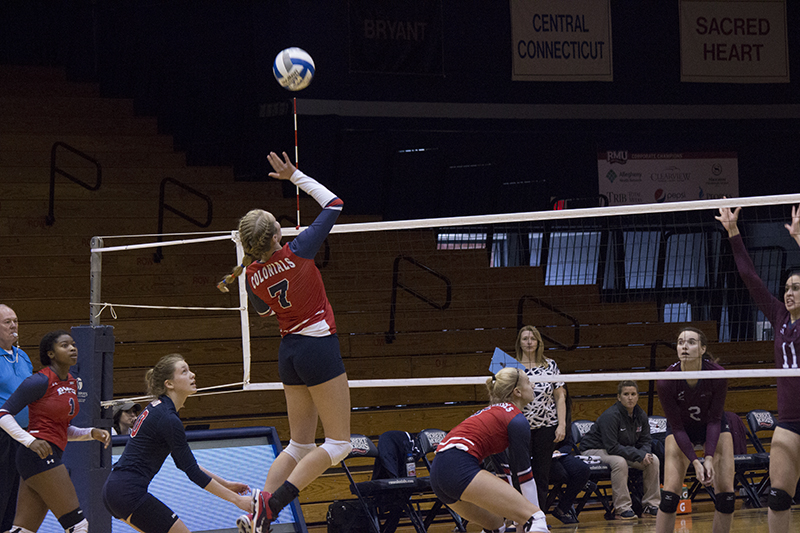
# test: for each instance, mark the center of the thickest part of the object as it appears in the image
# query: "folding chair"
(385, 501)
(658, 435)
(599, 472)
(760, 420)
(427, 440)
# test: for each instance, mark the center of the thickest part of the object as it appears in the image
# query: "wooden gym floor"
(744, 521)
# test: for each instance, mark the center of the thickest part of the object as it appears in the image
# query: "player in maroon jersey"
(51, 397)
(784, 464)
(695, 416)
(282, 280)
(477, 495)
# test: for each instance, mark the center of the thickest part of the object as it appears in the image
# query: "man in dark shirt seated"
(621, 438)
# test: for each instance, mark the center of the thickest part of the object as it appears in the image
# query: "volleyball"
(293, 68)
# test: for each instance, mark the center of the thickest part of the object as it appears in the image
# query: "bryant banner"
(629, 178)
(396, 37)
(561, 40)
(734, 41)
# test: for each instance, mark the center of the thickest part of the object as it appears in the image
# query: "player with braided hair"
(282, 280)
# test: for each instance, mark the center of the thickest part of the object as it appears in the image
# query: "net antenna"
(296, 161)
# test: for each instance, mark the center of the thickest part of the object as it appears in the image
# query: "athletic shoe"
(262, 514)
(625, 515)
(566, 517)
(245, 523)
(536, 523)
(651, 510)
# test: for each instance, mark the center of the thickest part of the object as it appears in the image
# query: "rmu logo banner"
(626, 177)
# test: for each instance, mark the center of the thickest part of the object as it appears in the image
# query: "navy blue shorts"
(125, 495)
(794, 427)
(29, 463)
(451, 473)
(697, 433)
(309, 361)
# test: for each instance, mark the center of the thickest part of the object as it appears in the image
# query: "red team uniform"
(490, 431)
(52, 404)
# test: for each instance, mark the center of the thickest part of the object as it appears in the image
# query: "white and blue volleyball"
(293, 68)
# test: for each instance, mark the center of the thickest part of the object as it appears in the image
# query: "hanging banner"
(396, 37)
(734, 41)
(629, 178)
(561, 40)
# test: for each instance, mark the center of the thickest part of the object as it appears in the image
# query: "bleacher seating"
(45, 278)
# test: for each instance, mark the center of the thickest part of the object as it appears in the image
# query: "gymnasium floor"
(744, 521)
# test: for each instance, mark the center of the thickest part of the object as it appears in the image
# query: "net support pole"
(243, 316)
(94, 281)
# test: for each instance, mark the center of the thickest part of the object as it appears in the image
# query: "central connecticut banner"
(734, 41)
(396, 37)
(629, 178)
(561, 40)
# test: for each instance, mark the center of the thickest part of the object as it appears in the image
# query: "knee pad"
(669, 502)
(725, 503)
(72, 520)
(298, 451)
(779, 500)
(337, 449)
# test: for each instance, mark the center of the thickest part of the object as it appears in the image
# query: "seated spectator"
(124, 417)
(621, 438)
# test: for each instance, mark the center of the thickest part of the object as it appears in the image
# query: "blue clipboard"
(501, 360)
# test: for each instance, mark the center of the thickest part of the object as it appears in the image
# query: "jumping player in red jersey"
(477, 495)
(784, 464)
(695, 415)
(157, 433)
(51, 397)
(282, 280)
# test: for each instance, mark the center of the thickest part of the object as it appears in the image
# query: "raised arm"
(794, 227)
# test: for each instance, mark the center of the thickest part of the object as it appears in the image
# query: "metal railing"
(396, 284)
(163, 206)
(55, 169)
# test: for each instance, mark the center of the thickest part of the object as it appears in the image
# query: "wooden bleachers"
(45, 277)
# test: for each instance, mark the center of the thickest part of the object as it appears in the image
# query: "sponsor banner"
(396, 37)
(629, 178)
(734, 41)
(561, 40)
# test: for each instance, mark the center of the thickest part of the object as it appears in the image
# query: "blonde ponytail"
(501, 386)
(256, 230)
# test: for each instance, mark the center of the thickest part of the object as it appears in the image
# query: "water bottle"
(411, 466)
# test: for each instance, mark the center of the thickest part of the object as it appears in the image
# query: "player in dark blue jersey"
(282, 280)
(52, 401)
(695, 415)
(477, 495)
(159, 432)
(784, 464)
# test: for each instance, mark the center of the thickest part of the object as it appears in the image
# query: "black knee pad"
(726, 502)
(669, 502)
(71, 518)
(779, 500)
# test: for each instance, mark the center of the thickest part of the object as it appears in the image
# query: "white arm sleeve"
(529, 491)
(11, 426)
(75, 433)
(314, 189)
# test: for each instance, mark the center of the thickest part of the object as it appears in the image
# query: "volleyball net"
(608, 288)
